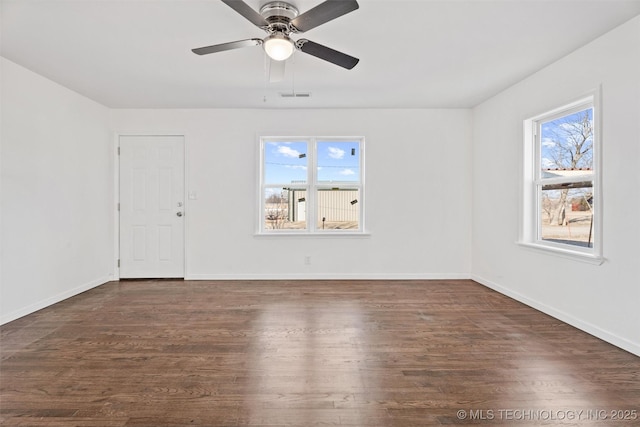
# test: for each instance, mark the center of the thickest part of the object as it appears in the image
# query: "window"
(562, 200)
(311, 185)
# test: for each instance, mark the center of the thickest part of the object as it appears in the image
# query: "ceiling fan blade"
(322, 13)
(247, 11)
(328, 54)
(226, 46)
(276, 71)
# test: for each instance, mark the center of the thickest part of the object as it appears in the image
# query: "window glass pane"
(566, 146)
(285, 162)
(338, 161)
(338, 209)
(285, 208)
(567, 215)
(328, 198)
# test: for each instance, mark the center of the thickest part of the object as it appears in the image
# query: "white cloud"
(548, 142)
(548, 163)
(573, 127)
(335, 153)
(301, 167)
(288, 151)
(347, 172)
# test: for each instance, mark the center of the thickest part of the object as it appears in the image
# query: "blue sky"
(287, 162)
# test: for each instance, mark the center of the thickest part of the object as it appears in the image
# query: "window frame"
(530, 234)
(312, 186)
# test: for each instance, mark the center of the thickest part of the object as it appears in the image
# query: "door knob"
(179, 213)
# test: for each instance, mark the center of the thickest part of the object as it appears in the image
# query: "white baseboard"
(587, 327)
(330, 276)
(32, 308)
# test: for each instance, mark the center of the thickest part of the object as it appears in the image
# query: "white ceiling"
(413, 54)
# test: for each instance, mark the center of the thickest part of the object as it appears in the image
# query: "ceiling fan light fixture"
(278, 46)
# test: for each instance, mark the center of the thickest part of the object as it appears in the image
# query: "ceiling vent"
(295, 94)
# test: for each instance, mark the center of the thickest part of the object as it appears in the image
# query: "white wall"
(56, 193)
(603, 300)
(418, 192)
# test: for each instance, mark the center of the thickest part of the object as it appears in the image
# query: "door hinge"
(118, 263)
(118, 151)
(118, 207)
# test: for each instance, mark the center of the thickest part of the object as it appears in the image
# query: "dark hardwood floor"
(307, 353)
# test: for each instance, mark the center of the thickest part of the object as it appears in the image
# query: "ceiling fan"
(280, 19)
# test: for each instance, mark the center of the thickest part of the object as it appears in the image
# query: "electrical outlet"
(307, 260)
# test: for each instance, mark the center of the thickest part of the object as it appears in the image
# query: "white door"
(151, 206)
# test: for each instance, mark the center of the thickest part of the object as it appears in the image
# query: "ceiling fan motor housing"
(279, 14)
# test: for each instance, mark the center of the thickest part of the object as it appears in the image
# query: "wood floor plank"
(305, 353)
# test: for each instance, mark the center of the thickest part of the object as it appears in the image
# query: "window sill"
(327, 234)
(564, 253)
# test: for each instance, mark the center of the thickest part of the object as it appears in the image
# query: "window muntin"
(561, 208)
(311, 185)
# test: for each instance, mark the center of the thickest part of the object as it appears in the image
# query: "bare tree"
(276, 206)
(548, 207)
